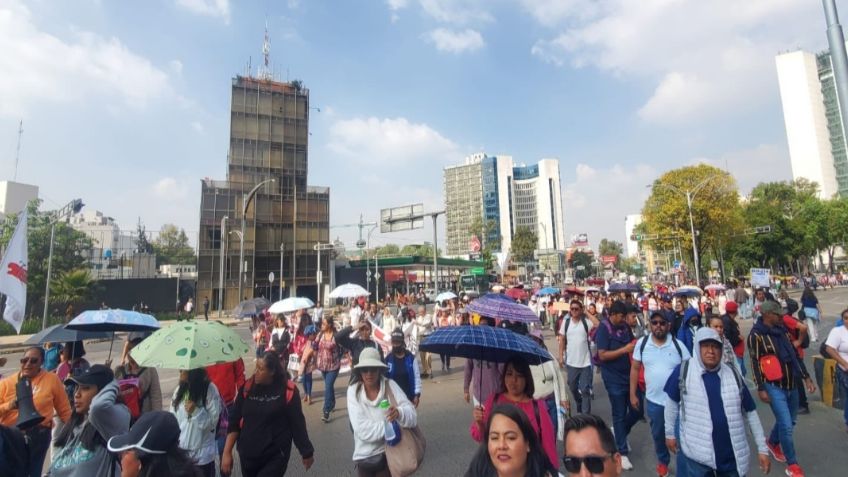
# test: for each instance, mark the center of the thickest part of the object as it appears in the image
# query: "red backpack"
(130, 393)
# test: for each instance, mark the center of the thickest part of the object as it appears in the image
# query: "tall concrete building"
(817, 147)
(269, 136)
(630, 223)
(14, 197)
(510, 196)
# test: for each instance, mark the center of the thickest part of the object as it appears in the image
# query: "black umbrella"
(60, 334)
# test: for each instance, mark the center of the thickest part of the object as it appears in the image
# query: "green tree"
(142, 244)
(420, 250)
(72, 287)
(171, 246)
(579, 259)
(524, 242)
(387, 250)
(610, 247)
(69, 248)
(715, 208)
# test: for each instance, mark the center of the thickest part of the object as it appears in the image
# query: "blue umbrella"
(59, 334)
(113, 320)
(484, 342)
(624, 287)
(548, 291)
(502, 307)
(688, 291)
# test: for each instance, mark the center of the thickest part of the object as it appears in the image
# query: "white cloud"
(198, 127)
(209, 8)
(458, 12)
(169, 189)
(704, 59)
(586, 194)
(396, 141)
(38, 66)
(456, 41)
(397, 4)
(176, 67)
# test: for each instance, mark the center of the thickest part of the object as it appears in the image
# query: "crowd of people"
(677, 362)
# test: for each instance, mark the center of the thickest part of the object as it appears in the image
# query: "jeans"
(741, 362)
(656, 414)
(696, 469)
(307, 384)
(842, 381)
(39, 442)
(445, 361)
(580, 382)
(329, 389)
(784, 406)
(624, 417)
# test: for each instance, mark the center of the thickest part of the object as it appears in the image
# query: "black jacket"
(355, 345)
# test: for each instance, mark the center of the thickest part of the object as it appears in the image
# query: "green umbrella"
(190, 345)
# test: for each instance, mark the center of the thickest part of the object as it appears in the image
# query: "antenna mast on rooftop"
(18, 151)
(265, 72)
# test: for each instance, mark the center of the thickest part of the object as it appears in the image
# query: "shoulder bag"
(406, 456)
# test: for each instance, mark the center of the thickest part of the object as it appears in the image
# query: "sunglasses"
(30, 360)
(576, 308)
(594, 464)
(659, 323)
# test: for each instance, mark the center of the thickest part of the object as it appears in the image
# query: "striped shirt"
(760, 345)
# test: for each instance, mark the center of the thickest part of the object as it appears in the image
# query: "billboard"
(408, 217)
(609, 259)
(580, 240)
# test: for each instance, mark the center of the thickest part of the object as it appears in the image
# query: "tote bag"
(406, 456)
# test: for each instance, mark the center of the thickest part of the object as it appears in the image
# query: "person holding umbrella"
(266, 419)
(48, 396)
(518, 390)
(197, 406)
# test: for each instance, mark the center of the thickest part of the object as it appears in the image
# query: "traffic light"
(635, 237)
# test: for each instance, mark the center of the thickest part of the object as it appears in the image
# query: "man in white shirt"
(355, 314)
(424, 324)
(574, 345)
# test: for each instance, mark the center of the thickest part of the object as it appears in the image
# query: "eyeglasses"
(575, 308)
(30, 360)
(659, 323)
(594, 463)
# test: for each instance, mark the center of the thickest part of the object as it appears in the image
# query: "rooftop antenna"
(265, 72)
(18, 151)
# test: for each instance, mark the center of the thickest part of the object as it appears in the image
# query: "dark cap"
(397, 336)
(97, 375)
(618, 307)
(633, 309)
(772, 307)
(155, 432)
(657, 314)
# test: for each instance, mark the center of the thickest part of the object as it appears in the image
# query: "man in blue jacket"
(691, 324)
(403, 368)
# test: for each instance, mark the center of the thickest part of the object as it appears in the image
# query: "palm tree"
(73, 286)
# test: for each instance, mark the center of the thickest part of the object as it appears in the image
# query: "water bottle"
(388, 426)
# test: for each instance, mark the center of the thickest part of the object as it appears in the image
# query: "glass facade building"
(269, 135)
(834, 121)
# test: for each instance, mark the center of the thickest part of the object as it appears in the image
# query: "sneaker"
(794, 470)
(662, 470)
(804, 410)
(776, 452)
(326, 417)
(626, 465)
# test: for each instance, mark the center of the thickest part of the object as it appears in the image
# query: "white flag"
(13, 274)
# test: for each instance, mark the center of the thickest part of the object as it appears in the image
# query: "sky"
(126, 104)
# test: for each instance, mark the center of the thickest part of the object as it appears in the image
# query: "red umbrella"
(516, 294)
(574, 291)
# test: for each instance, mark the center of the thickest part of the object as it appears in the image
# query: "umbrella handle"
(111, 342)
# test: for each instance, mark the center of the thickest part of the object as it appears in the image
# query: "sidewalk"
(14, 343)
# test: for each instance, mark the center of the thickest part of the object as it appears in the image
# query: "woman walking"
(368, 418)
(197, 405)
(444, 320)
(328, 360)
(812, 312)
(266, 419)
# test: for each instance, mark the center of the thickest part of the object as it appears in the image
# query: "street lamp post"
(690, 194)
(221, 277)
(367, 259)
(245, 203)
(318, 278)
(71, 207)
(282, 251)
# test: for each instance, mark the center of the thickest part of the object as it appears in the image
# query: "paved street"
(444, 418)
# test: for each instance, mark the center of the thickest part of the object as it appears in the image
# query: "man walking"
(657, 355)
(574, 345)
(775, 364)
(590, 448)
(732, 333)
(712, 402)
(615, 343)
(424, 323)
(206, 307)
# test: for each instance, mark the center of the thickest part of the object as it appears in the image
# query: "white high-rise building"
(813, 122)
(14, 197)
(630, 223)
(495, 189)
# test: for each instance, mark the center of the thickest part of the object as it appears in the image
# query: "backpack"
(596, 358)
(130, 393)
(673, 341)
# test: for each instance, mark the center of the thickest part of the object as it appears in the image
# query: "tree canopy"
(172, 247)
(524, 242)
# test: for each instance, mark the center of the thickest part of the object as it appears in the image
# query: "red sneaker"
(777, 452)
(662, 470)
(794, 470)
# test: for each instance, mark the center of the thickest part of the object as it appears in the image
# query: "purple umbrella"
(496, 305)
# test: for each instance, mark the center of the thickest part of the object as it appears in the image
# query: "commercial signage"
(474, 244)
(580, 240)
(760, 277)
(608, 259)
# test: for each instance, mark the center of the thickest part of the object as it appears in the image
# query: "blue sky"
(126, 104)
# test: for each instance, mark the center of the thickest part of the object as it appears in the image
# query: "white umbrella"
(291, 304)
(497, 288)
(715, 286)
(592, 289)
(445, 296)
(348, 290)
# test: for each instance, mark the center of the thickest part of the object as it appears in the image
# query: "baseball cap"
(771, 306)
(707, 334)
(618, 307)
(97, 375)
(155, 432)
(397, 336)
(657, 314)
(731, 307)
